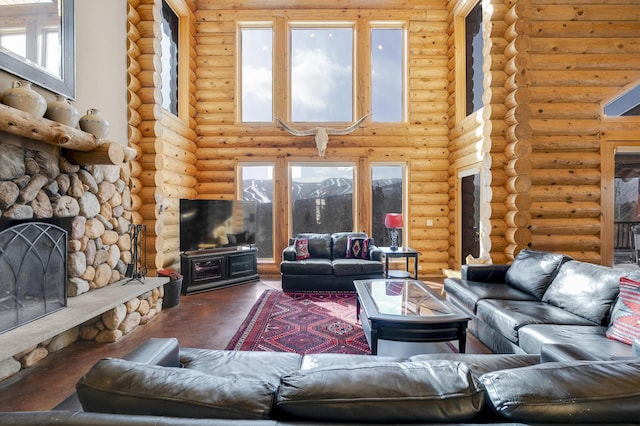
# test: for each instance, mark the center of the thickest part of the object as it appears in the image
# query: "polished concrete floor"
(204, 320)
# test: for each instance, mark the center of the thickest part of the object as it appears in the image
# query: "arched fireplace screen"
(33, 272)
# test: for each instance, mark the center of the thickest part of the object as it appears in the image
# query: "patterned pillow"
(302, 248)
(625, 320)
(358, 248)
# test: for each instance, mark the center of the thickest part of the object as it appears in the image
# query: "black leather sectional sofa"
(162, 384)
(541, 298)
(328, 268)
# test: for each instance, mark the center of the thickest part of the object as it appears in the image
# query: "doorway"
(626, 225)
(470, 216)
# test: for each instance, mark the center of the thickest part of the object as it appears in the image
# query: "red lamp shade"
(393, 220)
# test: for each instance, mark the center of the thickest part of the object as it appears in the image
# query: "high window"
(322, 74)
(387, 191)
(387, 74)
(627, 104)
(318, 81)
(257, 185)
(474, 59)
(169, 57)
(321, 197)
(256, 46)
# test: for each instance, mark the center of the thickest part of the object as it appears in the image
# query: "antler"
(295, 132)
(347, 130)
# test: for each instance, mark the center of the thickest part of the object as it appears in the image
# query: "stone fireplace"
(89, 189)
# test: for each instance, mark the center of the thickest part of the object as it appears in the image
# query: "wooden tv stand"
(205, 270)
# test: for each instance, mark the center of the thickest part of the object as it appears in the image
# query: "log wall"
(566, 58)
(163, 170)
(538, 141)
(421, 143)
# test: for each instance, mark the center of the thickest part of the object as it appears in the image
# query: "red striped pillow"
(625, 319)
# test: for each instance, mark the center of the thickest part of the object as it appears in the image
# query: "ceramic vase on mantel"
(21, 96)
(94, 123)
(62, 111)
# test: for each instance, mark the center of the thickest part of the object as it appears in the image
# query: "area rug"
(303, 323)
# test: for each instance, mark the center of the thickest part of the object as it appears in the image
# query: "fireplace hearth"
(33, 271)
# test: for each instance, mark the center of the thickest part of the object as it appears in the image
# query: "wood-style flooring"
(203, 320)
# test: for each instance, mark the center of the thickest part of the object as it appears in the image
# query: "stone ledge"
(79, 310)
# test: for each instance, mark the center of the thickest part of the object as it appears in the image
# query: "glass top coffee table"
(407, 310)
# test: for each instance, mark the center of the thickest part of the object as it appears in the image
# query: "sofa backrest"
(340, 240)
(319, 245)
(585, 289)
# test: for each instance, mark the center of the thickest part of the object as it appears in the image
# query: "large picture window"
(257, 74)
(321, 197)
(322, 74)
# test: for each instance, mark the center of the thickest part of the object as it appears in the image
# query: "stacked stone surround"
(43, 184)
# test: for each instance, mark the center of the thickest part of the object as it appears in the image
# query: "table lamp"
(393, 222)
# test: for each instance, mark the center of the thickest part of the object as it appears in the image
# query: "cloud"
(256, 82)
(316, 78)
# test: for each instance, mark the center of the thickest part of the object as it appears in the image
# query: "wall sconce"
(393, 222)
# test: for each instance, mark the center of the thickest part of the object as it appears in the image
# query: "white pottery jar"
(21, 96)
(62, 111)
(94, 123)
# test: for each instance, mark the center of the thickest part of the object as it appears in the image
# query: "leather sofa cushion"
(319, 245)
(125, 387)
(590, 338)
(382, 392)
(345, 267)
(311, 266)
(585, 289)
(603, 392)
(532, 271)
(508, 316)
(471, 292)
(266, 366)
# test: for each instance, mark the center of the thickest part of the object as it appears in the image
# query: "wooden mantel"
(82, 148)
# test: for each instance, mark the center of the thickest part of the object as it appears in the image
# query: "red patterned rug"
(304, 323)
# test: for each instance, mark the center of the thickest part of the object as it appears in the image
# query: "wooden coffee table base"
(440, 327)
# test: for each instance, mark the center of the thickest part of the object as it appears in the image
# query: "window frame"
(306, 163)
(239, 86)
(402, 26)
(405, 196)
(460, 13)
(298, 24)
(239, 190)
(182, 11)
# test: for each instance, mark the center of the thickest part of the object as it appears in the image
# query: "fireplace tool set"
(137, 269)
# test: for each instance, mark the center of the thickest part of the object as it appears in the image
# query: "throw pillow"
(625, 320)
(358, 248)
(532, 271)
(302, 248)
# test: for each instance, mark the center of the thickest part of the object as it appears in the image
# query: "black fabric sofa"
(328, 268)
(163, 384)
(541, 298)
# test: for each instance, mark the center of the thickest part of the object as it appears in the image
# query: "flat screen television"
(209, 224)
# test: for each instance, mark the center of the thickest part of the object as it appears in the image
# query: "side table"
(407, 253)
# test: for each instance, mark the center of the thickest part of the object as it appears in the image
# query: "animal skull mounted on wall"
(321, 133)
